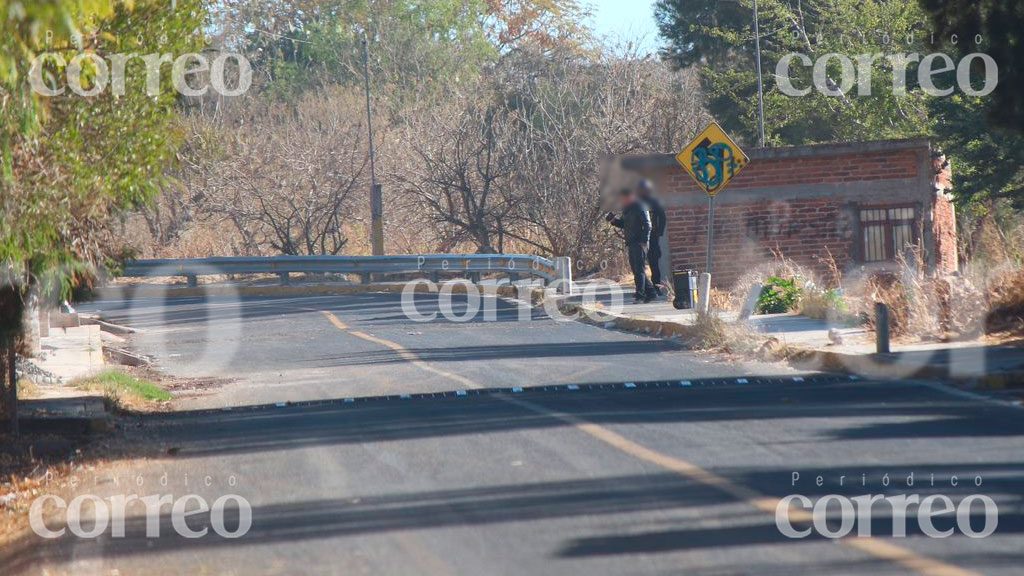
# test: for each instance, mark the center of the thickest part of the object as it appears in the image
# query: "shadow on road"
(719, 526)
(885, 411)
(510, 352)
(899, 412)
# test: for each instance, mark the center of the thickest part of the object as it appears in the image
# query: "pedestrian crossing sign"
(712, 159)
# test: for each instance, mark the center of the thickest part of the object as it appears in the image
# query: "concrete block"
(750, 303)
(61, 320)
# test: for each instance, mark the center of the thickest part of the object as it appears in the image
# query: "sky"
(625, 20)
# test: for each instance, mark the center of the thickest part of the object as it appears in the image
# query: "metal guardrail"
(557, 271)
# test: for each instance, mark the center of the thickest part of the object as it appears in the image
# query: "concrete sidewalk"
(789, 329)
(71, 353)
(821, 345)
(67, 354)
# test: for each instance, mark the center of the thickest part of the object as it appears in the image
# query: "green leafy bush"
(778, 295)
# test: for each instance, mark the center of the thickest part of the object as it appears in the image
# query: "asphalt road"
(369, 444)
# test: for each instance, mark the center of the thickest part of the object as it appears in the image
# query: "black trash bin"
(685, 284)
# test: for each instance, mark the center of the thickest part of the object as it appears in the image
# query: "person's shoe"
(639, 300)
(650, 298)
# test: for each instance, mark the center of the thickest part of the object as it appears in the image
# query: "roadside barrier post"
(563, 265)
(704, 293)
(750, 304)
(881, 328)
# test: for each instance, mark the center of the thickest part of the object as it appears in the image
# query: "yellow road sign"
(712, 159)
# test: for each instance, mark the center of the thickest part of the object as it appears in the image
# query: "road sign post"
(712, 159)
(711, 230)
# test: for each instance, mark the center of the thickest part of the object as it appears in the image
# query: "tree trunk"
(12, 383)
(10, 387)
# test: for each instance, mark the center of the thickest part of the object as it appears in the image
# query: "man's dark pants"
(654, 257)
(638, 263)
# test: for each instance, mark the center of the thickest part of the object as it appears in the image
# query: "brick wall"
(947, 257)
(803, 203)
(749, 235)
(796, 171)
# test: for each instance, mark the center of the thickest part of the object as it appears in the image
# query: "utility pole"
(376, 199)
(760, 90)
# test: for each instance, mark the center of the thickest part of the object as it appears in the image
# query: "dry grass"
(711, 332)
(987, 297)
(722, 300)
(982, 299)
(27, 389)
(1006, 310)
(822, 304)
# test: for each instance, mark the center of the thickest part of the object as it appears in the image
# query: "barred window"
(885, 232)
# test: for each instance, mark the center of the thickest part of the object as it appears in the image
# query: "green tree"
(72, 164)
(984, 136)
(1000, 26)
(988, 161)
(416, 48)
(717, 37)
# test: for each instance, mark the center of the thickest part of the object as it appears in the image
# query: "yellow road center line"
(768, 504)
(403, 352)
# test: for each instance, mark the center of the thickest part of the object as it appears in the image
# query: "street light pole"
(376, 199)
(760, 90)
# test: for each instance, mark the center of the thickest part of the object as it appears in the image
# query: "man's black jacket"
(658, 219)
(635, 223)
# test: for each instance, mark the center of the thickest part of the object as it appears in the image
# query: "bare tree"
(288, 175)
(576, 113)
(465, 159)
(507, 161)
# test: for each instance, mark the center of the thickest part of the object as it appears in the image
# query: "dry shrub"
(987, 244)
(909, 294)
(711, 332)
(922, 305)
(1006, 309)
(27, 389)
(722, 300)
(909, 312)
(824, 304)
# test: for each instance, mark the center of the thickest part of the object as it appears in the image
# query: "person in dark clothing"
(658, 220)
(635, 223)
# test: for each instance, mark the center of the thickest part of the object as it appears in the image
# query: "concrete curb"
(592, 316)
(885, 366)
(86, 426)
(107, 326)
(91, 425)
(81, 416)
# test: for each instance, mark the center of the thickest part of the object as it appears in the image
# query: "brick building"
(862, 202)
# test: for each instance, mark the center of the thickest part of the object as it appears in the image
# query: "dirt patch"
(30, 466)
(194, 386)
(37, 464)
(178, 387)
